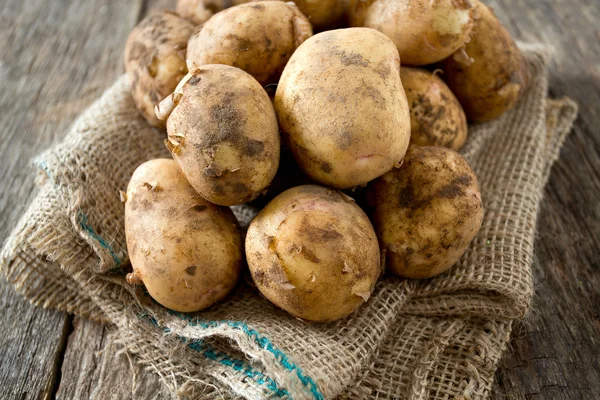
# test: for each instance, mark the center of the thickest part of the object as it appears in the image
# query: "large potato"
(426, 212)
(342, 108)
(155, 59)
(314, 253)
(223, 132)
(257, 37)
(185, 250)
(490, 74)
(436, 116)
(425, 31)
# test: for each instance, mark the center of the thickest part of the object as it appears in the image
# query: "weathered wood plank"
(160, 5)
(31, 345)
(91, 368)
(95, 368)
(555, 353)
(56, 57)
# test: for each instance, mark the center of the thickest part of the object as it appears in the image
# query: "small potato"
(425, 31)
(436, 116)
(223, 133)
(186, 251)
(489, 75)
(313, 253)
(155, 59)
(426, 212)
(199, 11)
(342, 108)
(257, 37)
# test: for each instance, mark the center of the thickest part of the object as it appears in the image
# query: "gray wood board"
(56, 57)
(76, 52)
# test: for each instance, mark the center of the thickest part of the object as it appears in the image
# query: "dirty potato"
(436, 116)
(342, 108)
(425, 31)
(186, 251)
(155, 59)
(489, 75)
(313, 253)
(257, 37)
(426, 212)
(222, 130)
(323, 14)
(199, 11)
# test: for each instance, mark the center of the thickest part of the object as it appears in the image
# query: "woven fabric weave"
(439, 338)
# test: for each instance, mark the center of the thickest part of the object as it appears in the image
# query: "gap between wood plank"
(56, 373)
(143, 10)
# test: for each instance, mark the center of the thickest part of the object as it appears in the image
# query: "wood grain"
(555, 353)
(58, 56)
(95, 368)
(91, 368)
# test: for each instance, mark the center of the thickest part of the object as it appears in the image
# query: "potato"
(199, 11)
(426, 212)
(257, 37)
(342, 108)
(425, 31)
(313, 253)
(186, 251)
(155, 60)
(490, 74)
(436, 116)
(223, 133)
(322, 14)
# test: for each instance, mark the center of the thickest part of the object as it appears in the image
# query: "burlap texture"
(440, 338)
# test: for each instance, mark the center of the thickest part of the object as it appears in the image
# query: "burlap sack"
(440, 338)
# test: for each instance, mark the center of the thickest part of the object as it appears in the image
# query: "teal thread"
(237, 365)
(44, 167)
(206, 349)
(84, 225)
(263, 342)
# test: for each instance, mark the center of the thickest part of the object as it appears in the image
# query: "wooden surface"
(57, 56)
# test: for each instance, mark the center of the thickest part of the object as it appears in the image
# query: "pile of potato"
(259, 109)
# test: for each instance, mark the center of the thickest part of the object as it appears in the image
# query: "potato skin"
(185, 250)
(223, 133)
(425, 31)
(436, 116)
(155, 60)
(313, 253)
(490, 75)
(199, 11)
(427, 212)
(323, 14)
(257, 37)
(342, 108)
